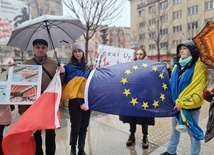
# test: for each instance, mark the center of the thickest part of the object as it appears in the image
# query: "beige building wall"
(177, 28)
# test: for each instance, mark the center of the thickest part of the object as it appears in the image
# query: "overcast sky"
(124, 19)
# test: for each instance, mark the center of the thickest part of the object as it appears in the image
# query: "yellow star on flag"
(135, 67)
(164, 86)
(145, 65)
(145, 105)
(126, 92)
(162, 96)
(161, 75)
(124, 80)
(154, 68)
(128, 71)
(134, 101)
(155, 104)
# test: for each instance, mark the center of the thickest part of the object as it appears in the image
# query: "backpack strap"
(43, 68)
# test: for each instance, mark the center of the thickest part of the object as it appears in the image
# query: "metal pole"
(49, 35)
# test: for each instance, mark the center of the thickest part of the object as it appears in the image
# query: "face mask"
(184, 62)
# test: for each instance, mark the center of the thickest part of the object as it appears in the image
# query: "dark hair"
(144, 53)
(74, 61)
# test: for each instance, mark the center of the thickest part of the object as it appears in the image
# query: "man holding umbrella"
(40, 48)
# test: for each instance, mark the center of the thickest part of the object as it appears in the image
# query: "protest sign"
(20, 84)
(110, 55)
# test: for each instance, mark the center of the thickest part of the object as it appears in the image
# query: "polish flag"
(42, 114)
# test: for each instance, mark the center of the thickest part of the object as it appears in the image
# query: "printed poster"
(20, 84)
(110, 55)
(12, 13)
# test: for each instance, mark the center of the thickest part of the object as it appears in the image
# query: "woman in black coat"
(143, 121)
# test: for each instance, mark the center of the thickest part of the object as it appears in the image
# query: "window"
(141, 13)
(152, 34)
(33, 3)
(40, 12)
(152, 46)
(177, 28)
(58, 6)
(152, 9)
(142, 24)
(209, 5)
(52, 13)
(163, 18)
(164, 45)
(152, 21)
(163, 4)
(46, 4)
(142, 36)
(193, 10)
(176, 2)
(144, 1)
(175, 43)
(164, 31)
(177, 14)
(193, 25)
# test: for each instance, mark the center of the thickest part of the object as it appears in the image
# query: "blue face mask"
(184, 62)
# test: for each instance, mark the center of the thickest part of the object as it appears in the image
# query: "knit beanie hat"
(78, 46)
(192, 48)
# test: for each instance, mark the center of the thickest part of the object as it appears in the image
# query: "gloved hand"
(207, 95)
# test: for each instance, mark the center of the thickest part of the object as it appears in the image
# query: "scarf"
(185, 62)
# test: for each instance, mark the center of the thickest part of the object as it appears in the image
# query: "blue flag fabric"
(138, 88)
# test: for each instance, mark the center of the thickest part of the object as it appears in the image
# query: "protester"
(188, 80)
(208, 96)
(76, 71)
(40, 48)
(5, 120)
(143, 121)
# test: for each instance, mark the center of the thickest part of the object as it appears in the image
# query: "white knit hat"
(78, 46)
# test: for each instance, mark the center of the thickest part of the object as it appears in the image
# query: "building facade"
(119, 37)
(160, 25)
(15, 12)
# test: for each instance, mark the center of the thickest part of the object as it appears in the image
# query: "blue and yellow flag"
(138, 88)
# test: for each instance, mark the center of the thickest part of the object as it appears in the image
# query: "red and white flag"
(42, 114)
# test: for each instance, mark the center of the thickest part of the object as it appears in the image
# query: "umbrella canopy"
(56, 30)
(204, 42)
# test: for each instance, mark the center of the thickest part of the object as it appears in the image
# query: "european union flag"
(138, 88)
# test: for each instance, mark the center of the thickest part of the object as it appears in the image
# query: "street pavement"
(107, 136)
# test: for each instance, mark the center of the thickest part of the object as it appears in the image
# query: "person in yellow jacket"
(189, 79)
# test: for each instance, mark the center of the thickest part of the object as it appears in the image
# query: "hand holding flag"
(42, 114)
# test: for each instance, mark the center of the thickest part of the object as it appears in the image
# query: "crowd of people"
(188, 78)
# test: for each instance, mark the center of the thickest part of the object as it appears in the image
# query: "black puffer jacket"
(138, 120)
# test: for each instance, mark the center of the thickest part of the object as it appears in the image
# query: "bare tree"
(95, 13)
(157, 27)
